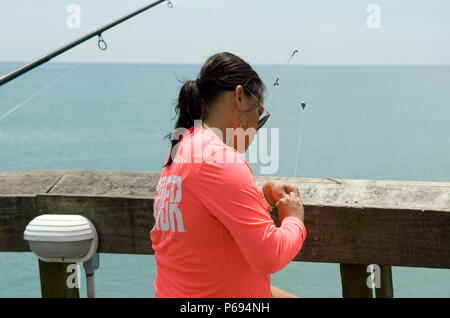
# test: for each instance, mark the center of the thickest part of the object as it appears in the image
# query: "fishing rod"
(101, 44)
(284, 70)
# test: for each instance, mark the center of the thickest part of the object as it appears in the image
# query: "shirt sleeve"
(229, 192)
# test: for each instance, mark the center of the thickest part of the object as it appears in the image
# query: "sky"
(260, 31)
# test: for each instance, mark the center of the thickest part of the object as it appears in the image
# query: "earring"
(241, 121)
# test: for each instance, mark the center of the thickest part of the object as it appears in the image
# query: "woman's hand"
(291, 205)
(275, 190)
(287, 197)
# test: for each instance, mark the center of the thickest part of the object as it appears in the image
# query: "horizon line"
(196, 64)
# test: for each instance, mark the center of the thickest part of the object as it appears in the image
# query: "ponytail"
(189, 108)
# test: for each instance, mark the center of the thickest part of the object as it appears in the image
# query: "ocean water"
(360, 122)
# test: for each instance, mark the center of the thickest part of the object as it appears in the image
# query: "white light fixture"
(65, 238)
(62, 238)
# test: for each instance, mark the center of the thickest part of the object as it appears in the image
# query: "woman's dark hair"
(222, 71)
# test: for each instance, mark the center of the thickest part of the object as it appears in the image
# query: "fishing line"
(300, 128)
(38, 92)
(303, 105)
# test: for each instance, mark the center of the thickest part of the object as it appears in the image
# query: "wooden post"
(55, 278)
(354, 281)
(386, 288)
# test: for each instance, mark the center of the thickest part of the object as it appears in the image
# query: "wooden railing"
(351, 222)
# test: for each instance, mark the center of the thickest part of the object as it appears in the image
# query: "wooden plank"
(377, 236)
(56, 280)
(123, 224)
(28, 182)
(354, 281)
(107, 183)
(385, 194)
(15, 213)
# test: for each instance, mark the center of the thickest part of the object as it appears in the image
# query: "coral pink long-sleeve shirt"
(212, 235)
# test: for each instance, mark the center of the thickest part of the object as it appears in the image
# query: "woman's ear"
(238, 96)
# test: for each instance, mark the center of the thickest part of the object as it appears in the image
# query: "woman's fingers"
(290, 188)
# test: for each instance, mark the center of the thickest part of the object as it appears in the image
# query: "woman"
(213, 234)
